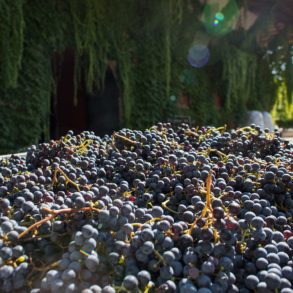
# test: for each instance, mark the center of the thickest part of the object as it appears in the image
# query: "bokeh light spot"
(219, 16)
(198, 55)
(173, 98)
(216, 22)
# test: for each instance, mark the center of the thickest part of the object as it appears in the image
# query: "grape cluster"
(168, 209)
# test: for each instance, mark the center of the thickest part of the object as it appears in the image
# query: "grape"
(164, 225)
(147, 248)
(290, 241)
(262, 287)
(89, 244)
(86, 275)
(226, 263)
(273, 258)
(57, 285)
(6, 253)
(188, 288)
(286, 290)
(168, 243)
(7, 285)
(144, 278)
(166, 272)
(63, 263)
(223, 280)
(278, 236)
(257, 222)
(190, 257)
(52, 274)
(96, 289)
(204, 290)
(130, 282)
(87, 231)
(17, 251)
(287, 272)
(260, 252)
(68, 275)
(23, 268)
(283, 247)
(5, 272)
(168, 257)
(273, 281)
(12, 236)
(27, 206)
(271, 248)
(285, 283)
(251, 282)
(130, 212)
(76, 266)
(275, 270)
(208, 267)
(6, 226)
(168, 286)
(108, 289)
(203, 281)
(177, 267)
(75, 255)
(177, 253)
(78, 238)
(261, 263)
(70, 288)
(193, 273)
(92, 263)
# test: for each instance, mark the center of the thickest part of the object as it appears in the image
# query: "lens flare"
(173, 98)
(198, 55)
(219, 16)
(216, 22)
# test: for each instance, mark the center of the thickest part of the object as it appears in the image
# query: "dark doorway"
(103, 107)
(98, 111)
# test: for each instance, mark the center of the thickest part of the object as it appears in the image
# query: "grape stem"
(139, 225)
(208, 206)
(125, 139)
(53, 214)
(164, 205)
(68, 180)
(161, 259)
(191, 133)
(221, 154)
(148, 287)
(44, 269)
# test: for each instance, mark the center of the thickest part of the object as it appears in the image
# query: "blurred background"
(102, 65)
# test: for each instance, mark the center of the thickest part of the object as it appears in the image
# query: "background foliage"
(150, 41)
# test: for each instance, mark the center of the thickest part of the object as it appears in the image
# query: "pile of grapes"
(168, 209)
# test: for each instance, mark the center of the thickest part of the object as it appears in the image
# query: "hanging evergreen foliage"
(11, 45)
(149, 40)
